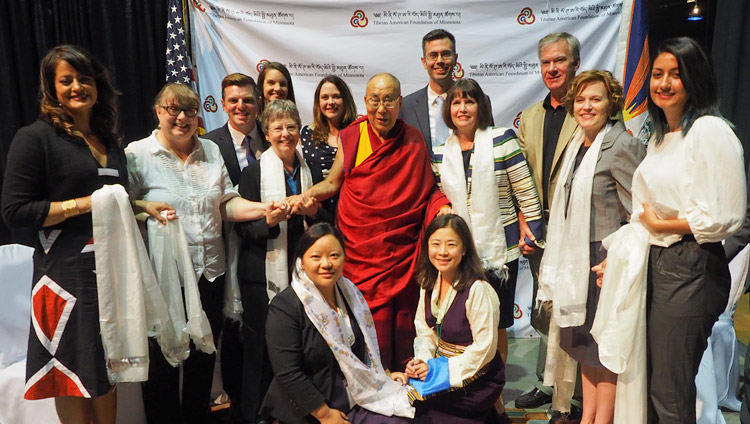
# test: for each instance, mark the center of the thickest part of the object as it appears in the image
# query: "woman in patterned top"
(333, 110)
(477, 155)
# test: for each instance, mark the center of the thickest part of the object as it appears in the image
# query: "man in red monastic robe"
(387, 195)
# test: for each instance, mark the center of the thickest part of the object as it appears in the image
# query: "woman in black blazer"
(312, 381)
(264, 264)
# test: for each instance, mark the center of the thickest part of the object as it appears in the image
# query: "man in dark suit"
(241, 142)
(544, 132)
(423, 108)
(241, 139)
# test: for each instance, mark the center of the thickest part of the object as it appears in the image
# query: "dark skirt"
(357, 414)
(577, 341)
(506, 292)
(472, 404)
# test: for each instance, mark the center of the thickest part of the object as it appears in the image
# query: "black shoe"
(572, 417)
(533, 399)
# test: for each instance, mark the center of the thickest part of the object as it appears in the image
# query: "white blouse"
(699, 177)
(483, 313)
(195, 189)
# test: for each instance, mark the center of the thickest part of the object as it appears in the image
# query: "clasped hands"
(298, 204)
(417, 369)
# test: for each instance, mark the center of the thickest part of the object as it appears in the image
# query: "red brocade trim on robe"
(384, 205)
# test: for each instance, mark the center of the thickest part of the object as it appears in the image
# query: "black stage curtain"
(127, 36)
(731, 57)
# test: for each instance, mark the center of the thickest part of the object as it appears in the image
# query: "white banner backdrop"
(496, 42)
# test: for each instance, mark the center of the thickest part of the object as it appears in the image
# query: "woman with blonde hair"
(594, 202)
(173, 165)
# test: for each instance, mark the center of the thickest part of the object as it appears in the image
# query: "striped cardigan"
(516, 188)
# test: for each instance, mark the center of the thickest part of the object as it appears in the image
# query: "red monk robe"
(385, 203)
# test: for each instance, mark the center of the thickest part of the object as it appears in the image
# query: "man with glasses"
(423, 108)
(387, 193)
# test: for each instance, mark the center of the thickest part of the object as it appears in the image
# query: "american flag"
(178, 61)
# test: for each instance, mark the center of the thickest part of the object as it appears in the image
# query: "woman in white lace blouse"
(176, 167)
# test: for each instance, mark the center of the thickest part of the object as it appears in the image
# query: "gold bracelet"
(70, 208)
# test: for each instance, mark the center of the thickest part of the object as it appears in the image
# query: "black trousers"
(161, 395)
(688, 288)
(256, 373)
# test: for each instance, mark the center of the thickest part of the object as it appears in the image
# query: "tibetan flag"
(633, 67)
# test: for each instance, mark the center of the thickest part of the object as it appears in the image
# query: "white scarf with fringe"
(484, 217)
(366, 383)
(273, 188)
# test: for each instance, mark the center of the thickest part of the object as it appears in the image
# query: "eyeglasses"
(175, 111)
(291, 129)
(445, 54)
(388, 102)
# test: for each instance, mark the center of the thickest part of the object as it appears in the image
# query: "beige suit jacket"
(531, 137)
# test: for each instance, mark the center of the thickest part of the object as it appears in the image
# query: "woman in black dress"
(54, 165)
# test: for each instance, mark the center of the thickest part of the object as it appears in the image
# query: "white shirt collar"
(432, 95)
(156, 147)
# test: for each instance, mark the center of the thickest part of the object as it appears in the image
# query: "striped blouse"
(516, 188)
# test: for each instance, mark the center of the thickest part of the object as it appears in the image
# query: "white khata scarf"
(366, 383)
(565, 268)
(131, 306)
(168, 250)
(273, 188)
(484, 218)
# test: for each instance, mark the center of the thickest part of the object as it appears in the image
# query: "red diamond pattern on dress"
(89, 247)
(54, 378)
(48, 307)
(51, 306)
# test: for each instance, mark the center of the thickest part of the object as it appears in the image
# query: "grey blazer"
(416, 113)
(611, 201)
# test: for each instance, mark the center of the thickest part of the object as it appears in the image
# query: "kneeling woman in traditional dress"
(456, 322)
(323, 347)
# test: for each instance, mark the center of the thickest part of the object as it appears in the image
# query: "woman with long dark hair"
(688, 196)
(333, 110)
(274, 83)
(54, 166)
(457, 323)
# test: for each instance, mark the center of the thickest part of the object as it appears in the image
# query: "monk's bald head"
(384, 78)
(383, 101)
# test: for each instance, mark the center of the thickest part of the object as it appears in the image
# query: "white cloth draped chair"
(718, 374)
(16, 273)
